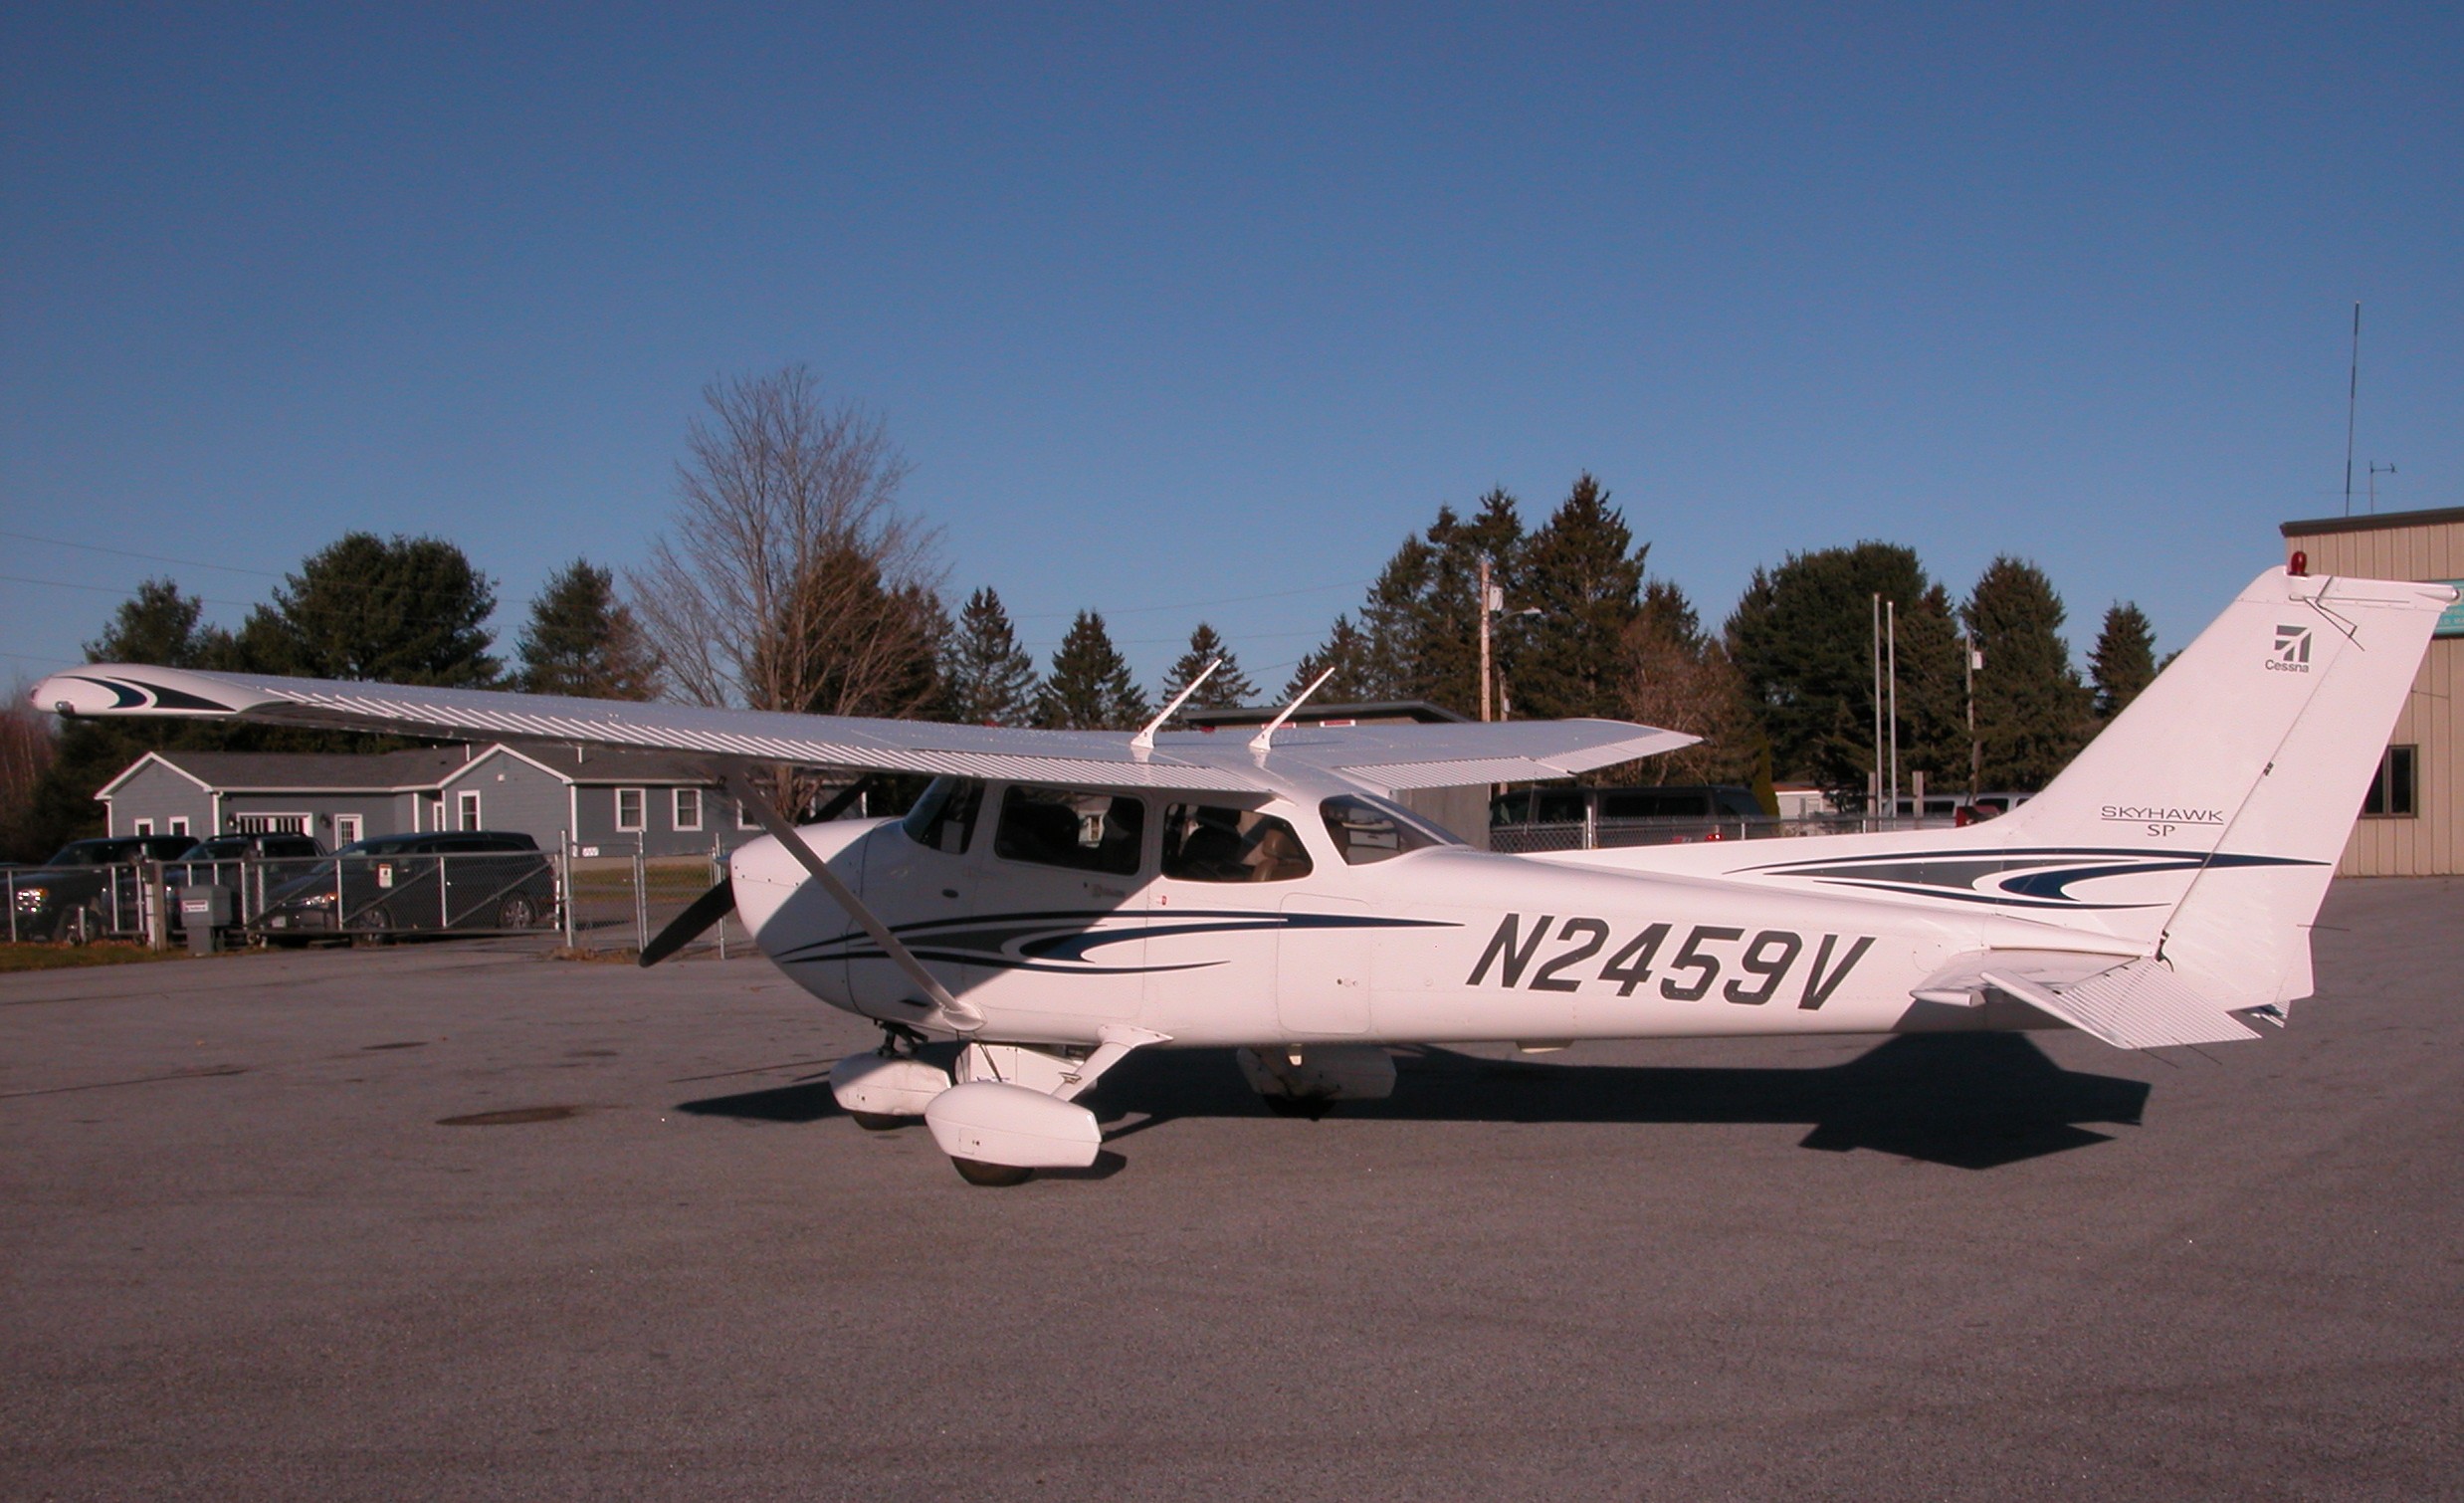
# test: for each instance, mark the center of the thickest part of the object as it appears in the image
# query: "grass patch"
(64, 956)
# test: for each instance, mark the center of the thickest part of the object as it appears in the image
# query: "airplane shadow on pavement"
(1969, 1100)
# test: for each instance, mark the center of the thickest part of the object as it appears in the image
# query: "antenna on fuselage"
(1264, 740)
(1144, 741)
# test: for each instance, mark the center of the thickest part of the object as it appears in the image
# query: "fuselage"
(1439, 943)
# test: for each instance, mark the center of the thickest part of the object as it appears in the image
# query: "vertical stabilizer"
(2225, 795)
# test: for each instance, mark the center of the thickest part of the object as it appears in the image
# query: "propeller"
(714, 905)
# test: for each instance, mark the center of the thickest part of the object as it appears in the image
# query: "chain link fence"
(1603, 834)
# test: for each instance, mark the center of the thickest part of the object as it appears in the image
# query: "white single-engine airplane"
(1059, 898)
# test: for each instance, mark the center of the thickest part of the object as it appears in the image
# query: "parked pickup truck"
(96, 878)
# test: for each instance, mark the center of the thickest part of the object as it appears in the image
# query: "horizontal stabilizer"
(2140, 1004)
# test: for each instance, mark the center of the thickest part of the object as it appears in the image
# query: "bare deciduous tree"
(791, 579)
(27, 749)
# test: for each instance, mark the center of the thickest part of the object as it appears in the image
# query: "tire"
(881, 1122)
(517, 911)
(990, 1175)
(1310, 1107)
(375, 921)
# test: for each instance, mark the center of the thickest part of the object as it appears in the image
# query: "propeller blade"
(692, 923)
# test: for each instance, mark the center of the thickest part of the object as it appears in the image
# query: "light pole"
(1493, 603)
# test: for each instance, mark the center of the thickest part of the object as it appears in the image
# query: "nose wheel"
(990, 1175)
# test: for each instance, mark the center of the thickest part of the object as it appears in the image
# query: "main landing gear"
(1005, 1109)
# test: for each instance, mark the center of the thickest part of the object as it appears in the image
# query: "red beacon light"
(2300, 564)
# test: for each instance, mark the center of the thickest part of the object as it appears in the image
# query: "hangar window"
(1204, 843)
(944, 818)
(2396, 787)
(1087, 833)
(1371, 830)
(628, 808)
(689, 808)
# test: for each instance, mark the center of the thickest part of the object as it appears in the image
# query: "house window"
(467, 809)
(179, 824)
(346, 829)
(270, 824)
(145, 827)
(2396, 787)
(745, 820)
(628, 808)
(689, 808)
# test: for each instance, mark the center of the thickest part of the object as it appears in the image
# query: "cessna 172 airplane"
(1057, 899)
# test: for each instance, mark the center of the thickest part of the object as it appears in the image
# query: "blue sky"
(1170, 307)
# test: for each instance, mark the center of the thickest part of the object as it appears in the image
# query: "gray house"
(606, 802)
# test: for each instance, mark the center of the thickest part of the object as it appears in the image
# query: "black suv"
(98, 878)
(467, 879)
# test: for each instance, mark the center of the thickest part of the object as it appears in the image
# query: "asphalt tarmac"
(465, 1221)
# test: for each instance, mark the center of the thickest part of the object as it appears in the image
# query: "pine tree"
(2125, 659)
(1584, 575)
(1227, 687)
(1346, 651)
(2031, 709)
(1420, 625)
(1801, 638)
(581, 641)
(1089, 687)
(400, 610)
(990, 679)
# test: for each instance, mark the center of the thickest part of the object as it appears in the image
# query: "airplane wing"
(1391, 756)
(2128, 1002)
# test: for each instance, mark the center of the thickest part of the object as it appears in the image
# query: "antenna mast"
(2353, 397)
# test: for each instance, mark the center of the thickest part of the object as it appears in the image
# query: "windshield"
(1369, 829)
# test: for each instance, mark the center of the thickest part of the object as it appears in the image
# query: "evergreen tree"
(2125, 659)
(1227, 687)
(1089, 687)
(1584, 575)
(1346, 651)
(1420, 623)
(1802, 637)
(404, 610)
(581, 641)
(156, 625)
(990, 679)
(2031, 709)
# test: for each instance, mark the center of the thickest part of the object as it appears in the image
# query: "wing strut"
(733, 777)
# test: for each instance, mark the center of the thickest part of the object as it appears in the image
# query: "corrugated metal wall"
(2398, 547)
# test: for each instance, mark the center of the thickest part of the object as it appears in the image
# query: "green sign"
(2451, 620)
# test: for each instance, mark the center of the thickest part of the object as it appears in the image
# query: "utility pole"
(1975, 749)
(1891, 618)
(1486, 607)
(1873, 784)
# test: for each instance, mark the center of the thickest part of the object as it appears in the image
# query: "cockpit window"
(944, 818)
(1206, 843)
(1369, 829)
(1087, 833)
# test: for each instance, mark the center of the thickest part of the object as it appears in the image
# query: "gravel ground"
(246, 1255)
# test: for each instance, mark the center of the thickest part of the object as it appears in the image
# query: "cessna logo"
(2292, 650)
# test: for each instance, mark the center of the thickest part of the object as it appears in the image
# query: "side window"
(628, 809)
(1087, 833)
(1205, 844)
(1371, 830)
(689, 808)
(944, 818)
(2393, 786)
